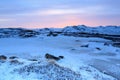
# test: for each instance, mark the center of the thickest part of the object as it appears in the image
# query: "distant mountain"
(17, 32)
(110, 30)
(67, 31)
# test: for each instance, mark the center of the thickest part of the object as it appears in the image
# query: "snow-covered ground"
(95, 61)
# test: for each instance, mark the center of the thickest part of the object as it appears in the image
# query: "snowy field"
(84, 59)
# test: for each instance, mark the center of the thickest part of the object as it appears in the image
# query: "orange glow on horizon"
(60, 22)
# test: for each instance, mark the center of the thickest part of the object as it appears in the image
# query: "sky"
(58, 13)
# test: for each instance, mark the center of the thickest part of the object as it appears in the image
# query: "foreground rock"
(52, 57)
(13, 57)
(15, 62)
(3, 58)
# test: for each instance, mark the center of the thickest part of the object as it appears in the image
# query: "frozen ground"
(94, 62)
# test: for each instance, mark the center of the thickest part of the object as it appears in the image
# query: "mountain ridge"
(68, 31)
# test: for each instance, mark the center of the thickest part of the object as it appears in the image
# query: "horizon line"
(62, 27)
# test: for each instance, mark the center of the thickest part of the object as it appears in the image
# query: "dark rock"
(28, 33)
(49, 56)
(32, 59)
(2, 57)
(84, 45)
(98, 48)
(52, 34)
(106, 44)
(61, 57)
(117, 44)
(15, 62)
(13, 57)
(73, 49)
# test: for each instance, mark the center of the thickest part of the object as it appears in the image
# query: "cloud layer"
(58, 13)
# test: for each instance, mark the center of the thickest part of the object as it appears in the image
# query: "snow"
(81, 60)
(21, 32)
(110, 30)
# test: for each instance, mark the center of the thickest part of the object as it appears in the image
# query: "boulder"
(13, 57)
(32, 59)
(2, 57)
(52, 57)
(87, 45)
(98, 48)
(61, 57)
(15, 62)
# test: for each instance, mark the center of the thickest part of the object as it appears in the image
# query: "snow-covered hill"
(20, 32)
(17, 32)
(110, 30)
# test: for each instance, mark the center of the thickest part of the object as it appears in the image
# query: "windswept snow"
(81, 63)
